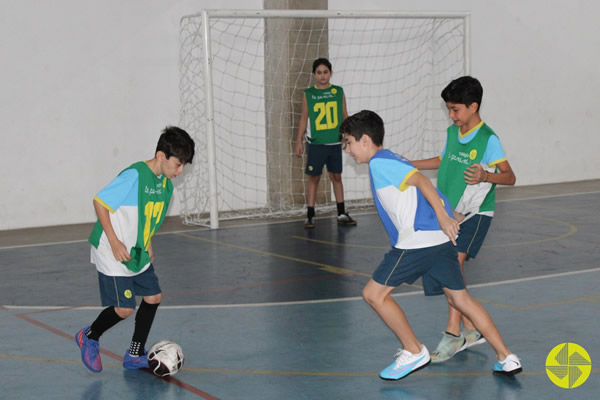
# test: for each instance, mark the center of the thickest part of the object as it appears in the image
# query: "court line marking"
(337, 300)
(272, 372)
(114, 356)
(204, 229)
(323, 267)
(572, 230)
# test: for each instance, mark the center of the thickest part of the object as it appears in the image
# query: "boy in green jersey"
(130, 209)
(324, 106)
(472, 164)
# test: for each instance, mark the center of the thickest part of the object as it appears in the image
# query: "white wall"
(87, 86)
(538, 64)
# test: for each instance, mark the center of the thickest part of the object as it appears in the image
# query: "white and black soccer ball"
(165, 358)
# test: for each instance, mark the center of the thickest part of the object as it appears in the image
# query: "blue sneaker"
(90, 351)
(135, 362)
(405, 364)
(510, 366)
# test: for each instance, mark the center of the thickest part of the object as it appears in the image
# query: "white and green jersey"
(137, 201)
(479, 145)
(325, 114)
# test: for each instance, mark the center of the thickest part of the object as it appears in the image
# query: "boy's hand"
(450, 227)
(458, 216)
(475, 174)
(119, 250)
(299, 148)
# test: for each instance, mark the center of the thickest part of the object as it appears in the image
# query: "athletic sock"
(341, 208)
(311, 212)
(106, 320)
(143, 322)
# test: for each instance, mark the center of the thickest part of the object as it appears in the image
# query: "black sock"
(106, 320)
(143, 322)
(341, 208)
(311, 212)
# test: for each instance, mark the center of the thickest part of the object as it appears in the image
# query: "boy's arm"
(428, 163)
(118, 248)
(476, 174)
(448, 224)
(344, 109)
(302, 128)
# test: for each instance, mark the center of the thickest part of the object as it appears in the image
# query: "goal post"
(242, 80)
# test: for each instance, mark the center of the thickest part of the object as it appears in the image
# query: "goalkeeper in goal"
(323, 110)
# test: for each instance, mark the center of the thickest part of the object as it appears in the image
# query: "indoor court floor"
(273, 311)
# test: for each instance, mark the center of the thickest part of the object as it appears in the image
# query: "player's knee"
(155, 299)
(335, 177)
(123, 312)
(371, 297)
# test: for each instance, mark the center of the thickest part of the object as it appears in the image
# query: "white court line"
(275, 222)
(293, 303)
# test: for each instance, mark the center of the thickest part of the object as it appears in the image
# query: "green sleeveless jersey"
(325, 114)
(135, 215)
(457, 158)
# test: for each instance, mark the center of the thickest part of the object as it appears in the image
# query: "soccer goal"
(243, 75)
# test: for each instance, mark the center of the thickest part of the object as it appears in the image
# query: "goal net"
(243, 75)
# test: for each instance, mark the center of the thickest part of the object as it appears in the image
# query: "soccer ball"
(165, 358)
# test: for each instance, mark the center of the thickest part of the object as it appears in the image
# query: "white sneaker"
(510, 366)
(405, 364)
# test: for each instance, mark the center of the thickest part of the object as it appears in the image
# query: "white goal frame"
(209, 117)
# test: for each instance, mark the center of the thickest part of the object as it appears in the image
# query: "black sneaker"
(309, 222)
(345, 219)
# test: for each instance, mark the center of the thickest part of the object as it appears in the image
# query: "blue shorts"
(437, 265)
(324, 154)
(472, 233)
(120, 291)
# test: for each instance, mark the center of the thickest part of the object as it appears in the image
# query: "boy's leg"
(378, 297)
(462, 301)
(467, 305)
(112, 291)
(413, 356)
(311, 197)
(146, 284)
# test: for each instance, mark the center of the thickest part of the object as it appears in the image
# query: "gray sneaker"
(473, 338)
(448, 347)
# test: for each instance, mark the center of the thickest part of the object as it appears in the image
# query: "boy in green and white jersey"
(130, 209)
(472, 164)
(324, 105)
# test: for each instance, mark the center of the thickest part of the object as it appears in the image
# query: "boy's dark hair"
(175, 142)
(321, 61)
(464, 90)
(365, 122)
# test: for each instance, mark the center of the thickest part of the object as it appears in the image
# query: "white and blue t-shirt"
(405, 213)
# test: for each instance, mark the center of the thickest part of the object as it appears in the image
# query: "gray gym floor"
(273, 311)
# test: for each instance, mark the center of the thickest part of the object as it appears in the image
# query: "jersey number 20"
(327, 112)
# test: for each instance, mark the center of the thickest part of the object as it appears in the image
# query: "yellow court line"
(323, 267)
(272, 372)
(54, 361)
(363, 246)
(572, 231)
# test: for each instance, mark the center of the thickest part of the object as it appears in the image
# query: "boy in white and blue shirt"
(423, 234)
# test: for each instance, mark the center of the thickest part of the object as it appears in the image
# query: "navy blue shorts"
(324, 154)
(472, 234)
(120, 291)
(437, 265)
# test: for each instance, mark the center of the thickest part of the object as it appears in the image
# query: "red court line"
(174, 381)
